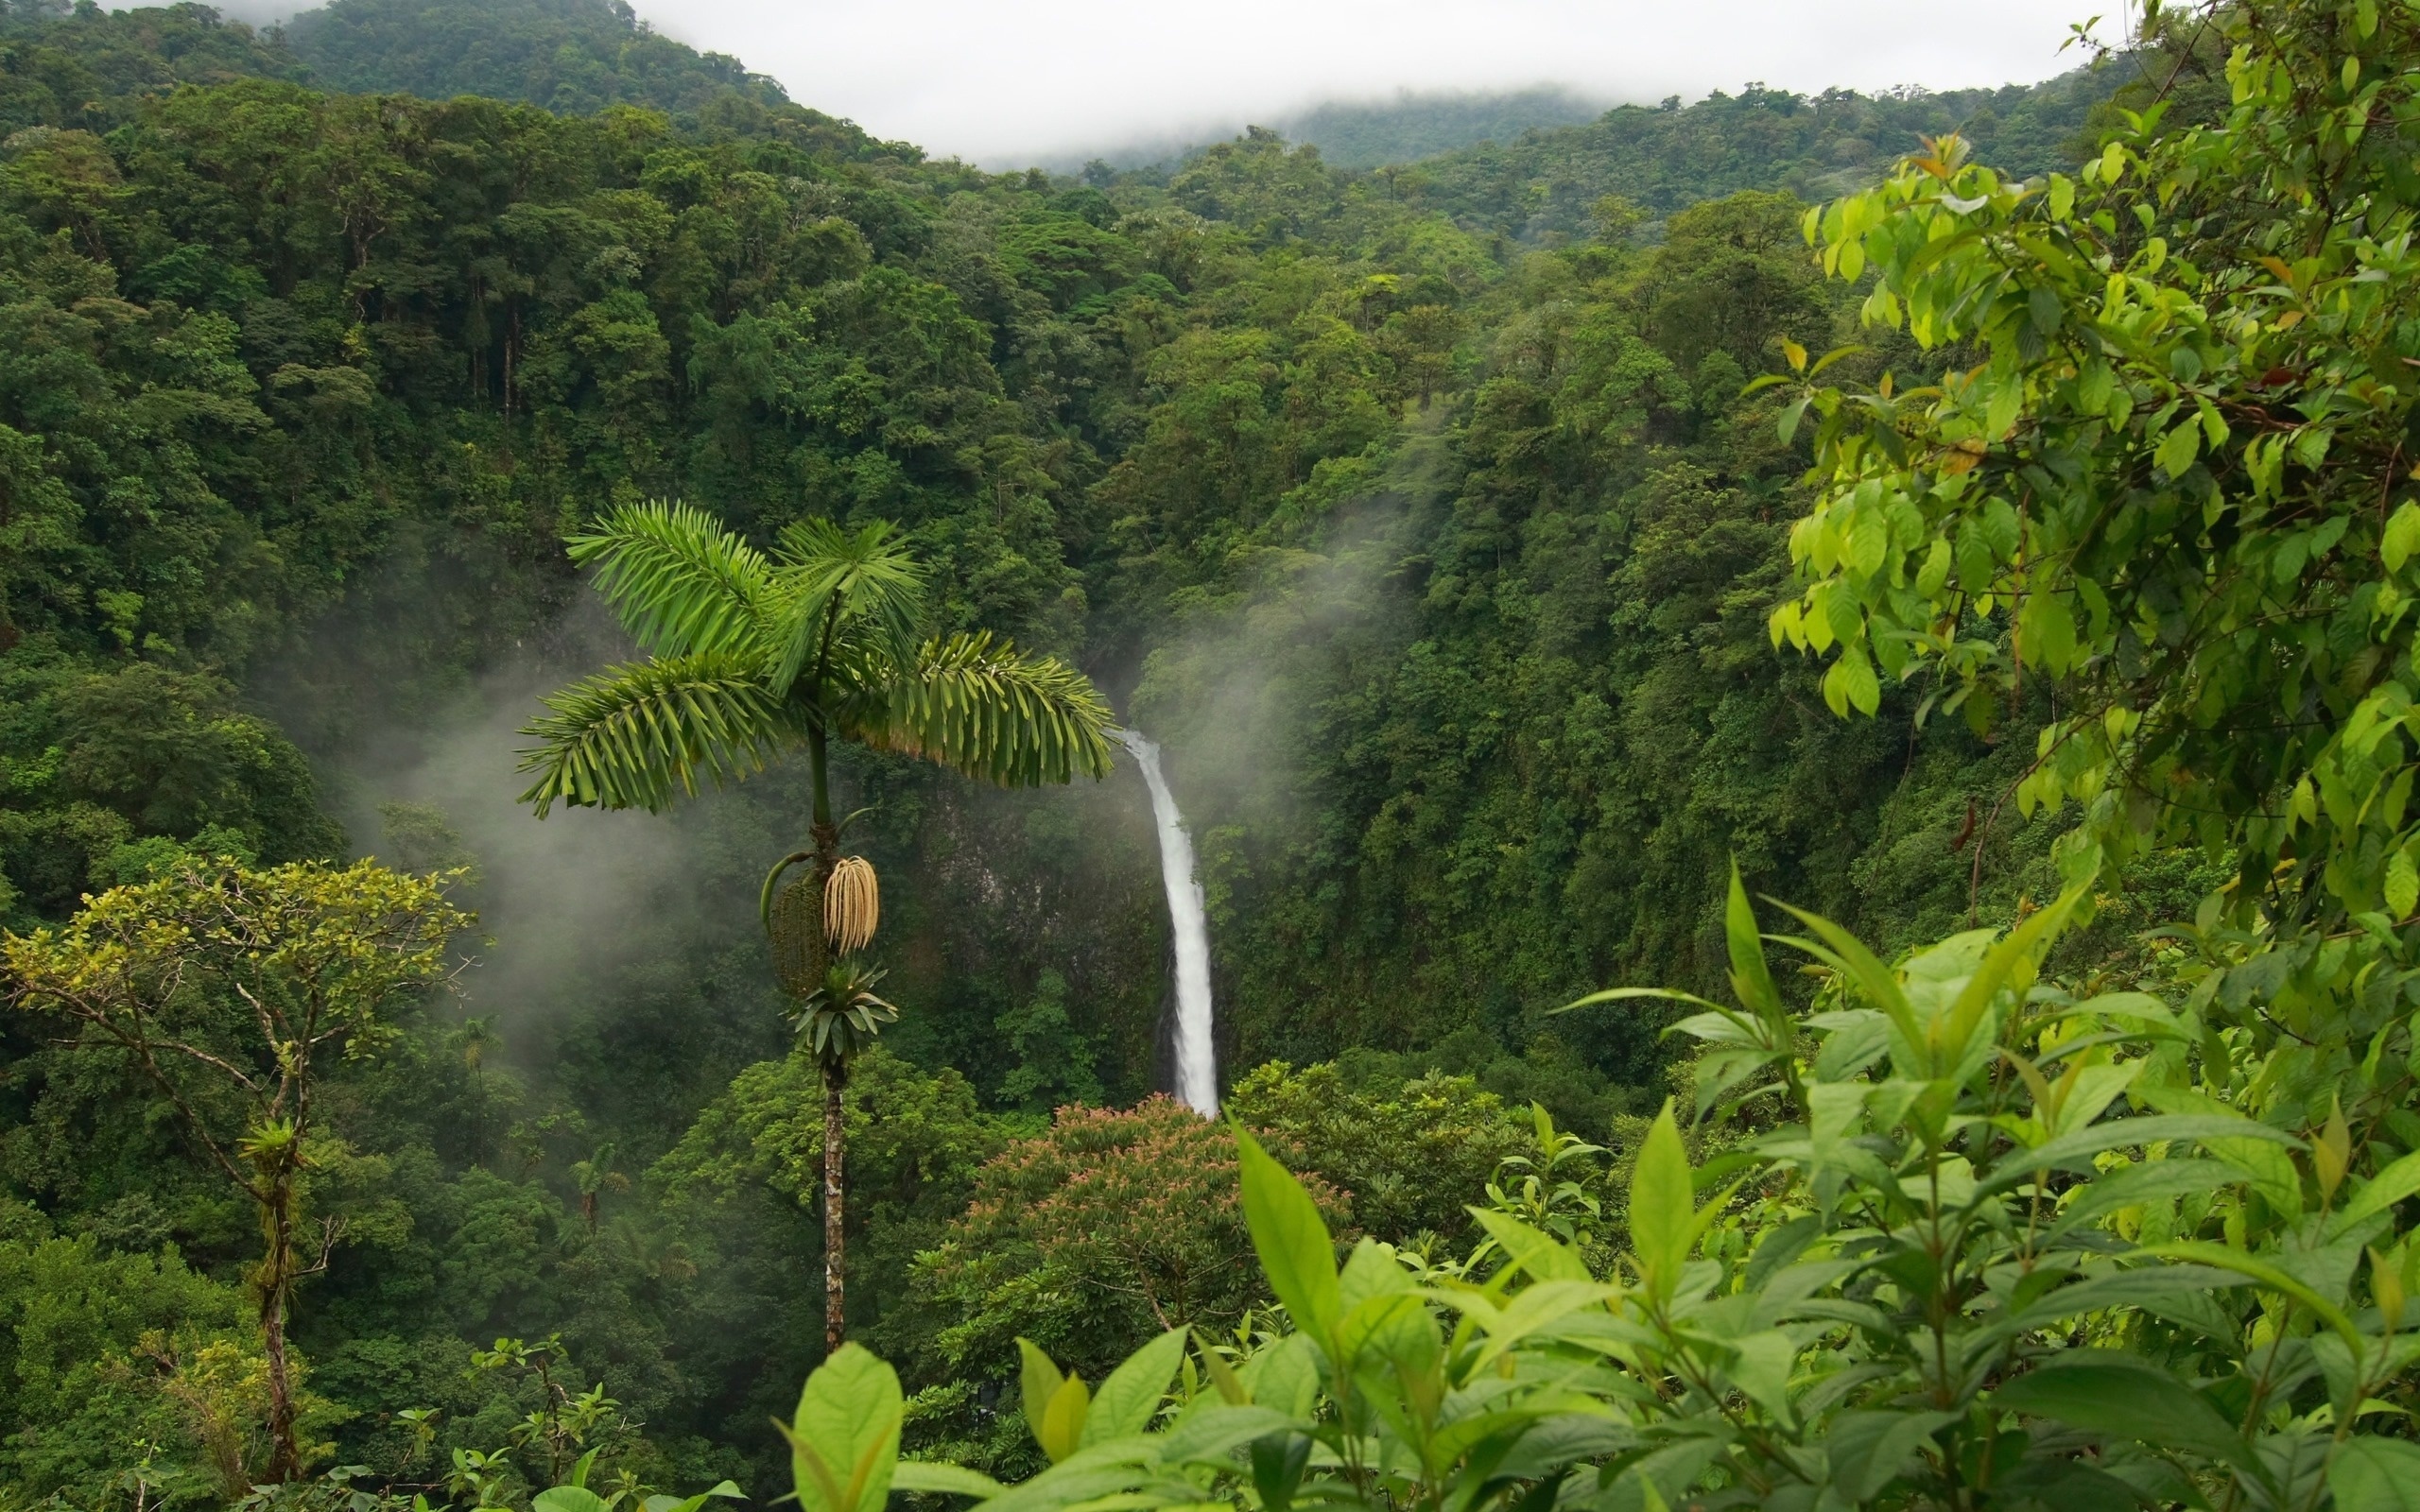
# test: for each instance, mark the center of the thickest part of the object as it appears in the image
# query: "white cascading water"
(1197, 1062)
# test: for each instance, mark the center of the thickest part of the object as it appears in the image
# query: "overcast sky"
(999, 80)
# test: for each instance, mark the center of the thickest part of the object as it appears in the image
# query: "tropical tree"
(754, 653)
(2172, 496)
(233, 993)
(835, 1023)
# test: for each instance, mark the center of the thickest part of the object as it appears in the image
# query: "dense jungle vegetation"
(1499, 571)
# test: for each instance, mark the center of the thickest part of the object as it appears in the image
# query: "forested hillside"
(1372, 133)
(575, 55)
(1431, 518)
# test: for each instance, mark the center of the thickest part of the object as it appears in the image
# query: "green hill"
(1663, 158)
(1372, 133)
(83, 67)
(570, 56)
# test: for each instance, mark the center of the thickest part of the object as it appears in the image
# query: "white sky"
(999, 80)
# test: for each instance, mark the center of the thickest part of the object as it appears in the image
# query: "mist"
(1056, 81)
(633, 931)
(557, 897)
(1005, 85)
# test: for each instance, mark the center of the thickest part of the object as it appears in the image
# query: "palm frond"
(975, 704)
(680, 582)
(830, 578)
(643, 734)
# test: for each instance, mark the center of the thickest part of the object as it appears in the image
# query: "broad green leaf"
(1761, 1367)
(2386, 1189)
(1791, 413)
(1285, 1377)
(1662, 1476)
(1396, 1329)
(2401, 539)
(844, 1440)
(1212, 1435)
(2402, 884)
(1038, 1381)
(2007, 966)
(567, 1499)
(1371, 1270)
(1543, 1255)
(1934, 575)
(1720, 1029)
(2076, 1151)
(1869, 1449)
(1858, 684)
(2151, 1181)
(2126, 1288)
(2257, 1151)
(953, 1479)
(1278, 1461)
(1751, 981)
(1132, 1395)
(1846, 953)
(1290, 1236)
(726, 1491)
(2229, 1258)
(1661, 1206)
(2371, 1474)
(2177, 450)
(1093, 1476)
(1060, 1431)
(2007, 404)
(2049, 632)
(2123, 1396)
(1056, 1407)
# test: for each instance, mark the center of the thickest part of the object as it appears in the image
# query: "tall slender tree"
(751, 654)
(233, 993)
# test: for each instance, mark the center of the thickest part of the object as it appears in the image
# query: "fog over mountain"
(1057, 82)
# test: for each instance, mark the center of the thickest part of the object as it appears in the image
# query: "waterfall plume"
(1197, 1060)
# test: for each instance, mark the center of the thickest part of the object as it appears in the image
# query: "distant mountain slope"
(84, 67)
(1363, 133)
(1371, 134)
(571, 56)
(1660, 159)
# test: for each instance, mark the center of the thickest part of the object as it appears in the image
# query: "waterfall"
(1197, 1062)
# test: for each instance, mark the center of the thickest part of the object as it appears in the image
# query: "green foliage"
(112, 775)
(575, 57)
(1438, 562)
(1407, 1158)
(227, 991)
(1664, 158)
(1105, 1229)
(1054, 1064)
(2168, 488)
(1412, 126)
(838, 1021)
(822, 639)
(82, 67)
(1949, 1281)
(107, 1350)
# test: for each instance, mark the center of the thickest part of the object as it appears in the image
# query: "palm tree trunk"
(836, 1077)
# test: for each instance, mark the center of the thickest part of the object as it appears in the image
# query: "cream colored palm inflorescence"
(852, 906)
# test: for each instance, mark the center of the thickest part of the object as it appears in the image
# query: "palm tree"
(752, 654)
(833, 1022)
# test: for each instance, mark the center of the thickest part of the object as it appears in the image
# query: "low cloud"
(1004, 84)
